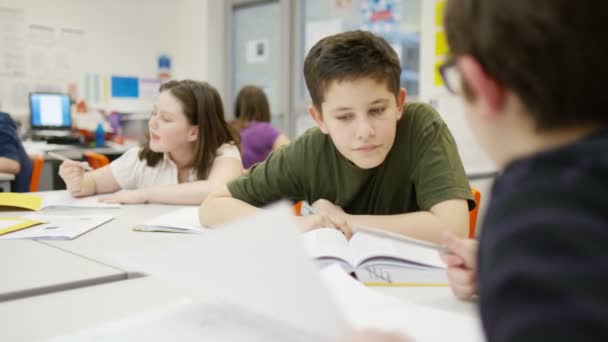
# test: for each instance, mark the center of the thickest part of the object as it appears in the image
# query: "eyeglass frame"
(451, 76)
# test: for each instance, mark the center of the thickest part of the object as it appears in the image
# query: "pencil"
(84, 165)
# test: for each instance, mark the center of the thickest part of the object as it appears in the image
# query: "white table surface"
(60, 313)
(30, 268)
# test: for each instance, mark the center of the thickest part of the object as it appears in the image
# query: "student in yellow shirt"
(372, 161)
(190, 151)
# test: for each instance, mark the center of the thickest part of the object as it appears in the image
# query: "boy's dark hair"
(349, 56)
(202, 105)
(251, 105)
(550, 53)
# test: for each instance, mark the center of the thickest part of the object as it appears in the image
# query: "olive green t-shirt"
(422, 169)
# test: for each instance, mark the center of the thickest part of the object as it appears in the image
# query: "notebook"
(63, 200)
(378, 259)
(58, 227)
(12, 224)
(52, 200)
(184, 220)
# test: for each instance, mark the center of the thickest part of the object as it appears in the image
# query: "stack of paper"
(13, 224)
(58, 227)
(184, 220)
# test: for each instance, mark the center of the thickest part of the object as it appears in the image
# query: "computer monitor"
(50, 111)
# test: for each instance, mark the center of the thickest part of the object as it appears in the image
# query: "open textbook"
(378, 258)
(184, 220)
(57, 227)
(267, 289)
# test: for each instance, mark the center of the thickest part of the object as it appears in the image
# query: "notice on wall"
(13, 42)
(257, 51)
(319, 29)
(41, 52)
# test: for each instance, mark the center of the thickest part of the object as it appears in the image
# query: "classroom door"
(259, 53)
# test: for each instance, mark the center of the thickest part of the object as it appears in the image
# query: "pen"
(308, 208)
(84, 165)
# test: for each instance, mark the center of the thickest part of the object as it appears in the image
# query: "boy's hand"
(375, 336)
(335, 214)
(72, 174)
(315, 221)
(462, 265)
(126, 197)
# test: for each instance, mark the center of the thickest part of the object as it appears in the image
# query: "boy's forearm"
(217, 210)
(422, 225)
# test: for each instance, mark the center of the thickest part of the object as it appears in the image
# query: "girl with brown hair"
(190, 151)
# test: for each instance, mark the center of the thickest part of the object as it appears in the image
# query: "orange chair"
(473, 213)
(96, 160)
(37, 164)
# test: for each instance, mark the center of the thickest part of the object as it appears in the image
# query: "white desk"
(65, 312)
(43, 317)
(5, 181)
(30, 268)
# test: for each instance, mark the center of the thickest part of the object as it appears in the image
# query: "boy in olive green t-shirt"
(373, 161)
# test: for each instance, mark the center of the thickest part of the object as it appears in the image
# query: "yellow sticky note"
(441, 44)
(439, 13)
(19, 200)
(11, 224)
(438, 79)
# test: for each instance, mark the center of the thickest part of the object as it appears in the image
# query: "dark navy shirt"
(543, 258)
(11, 148)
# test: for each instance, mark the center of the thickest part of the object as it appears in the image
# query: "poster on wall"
(257, 51)
(379, 16)
(13, 42)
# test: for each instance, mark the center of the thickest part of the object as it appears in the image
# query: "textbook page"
(366, 246)
(184, 220)
(328, 245)
(58, 227)
(369, 309)
(63, 200)
(257, 264)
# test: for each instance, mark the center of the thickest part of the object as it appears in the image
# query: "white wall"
(123, 37)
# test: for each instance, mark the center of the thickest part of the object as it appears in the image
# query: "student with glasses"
(532, 75)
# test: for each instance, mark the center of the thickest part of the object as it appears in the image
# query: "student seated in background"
(13, 158)
(258, 137)
(190, 151)
(373, 161)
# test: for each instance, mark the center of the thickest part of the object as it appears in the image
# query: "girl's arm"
(192, 193)
(80, 183)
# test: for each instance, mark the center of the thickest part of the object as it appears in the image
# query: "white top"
(132, 173)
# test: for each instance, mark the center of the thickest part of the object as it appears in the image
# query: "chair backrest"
(473, 213)
(96, 160)
(37, 164)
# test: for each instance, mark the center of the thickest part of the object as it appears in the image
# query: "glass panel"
(256, 53)
(398, 21)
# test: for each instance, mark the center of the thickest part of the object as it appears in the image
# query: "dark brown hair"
(350, 56)
(202, 105)
(251, 105)
(551, 54)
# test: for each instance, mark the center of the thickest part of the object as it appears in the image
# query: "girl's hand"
(126, 197)
(72, 174)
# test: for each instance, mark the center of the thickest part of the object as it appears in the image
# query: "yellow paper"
(11, 224)
(19, 200)
(439, 13)
(438, 79)
(441, 44)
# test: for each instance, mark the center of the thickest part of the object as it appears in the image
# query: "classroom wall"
(120, 38)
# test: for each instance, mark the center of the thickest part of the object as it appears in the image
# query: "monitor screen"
(50, 110)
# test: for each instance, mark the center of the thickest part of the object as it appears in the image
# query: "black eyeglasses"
(451, 76)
